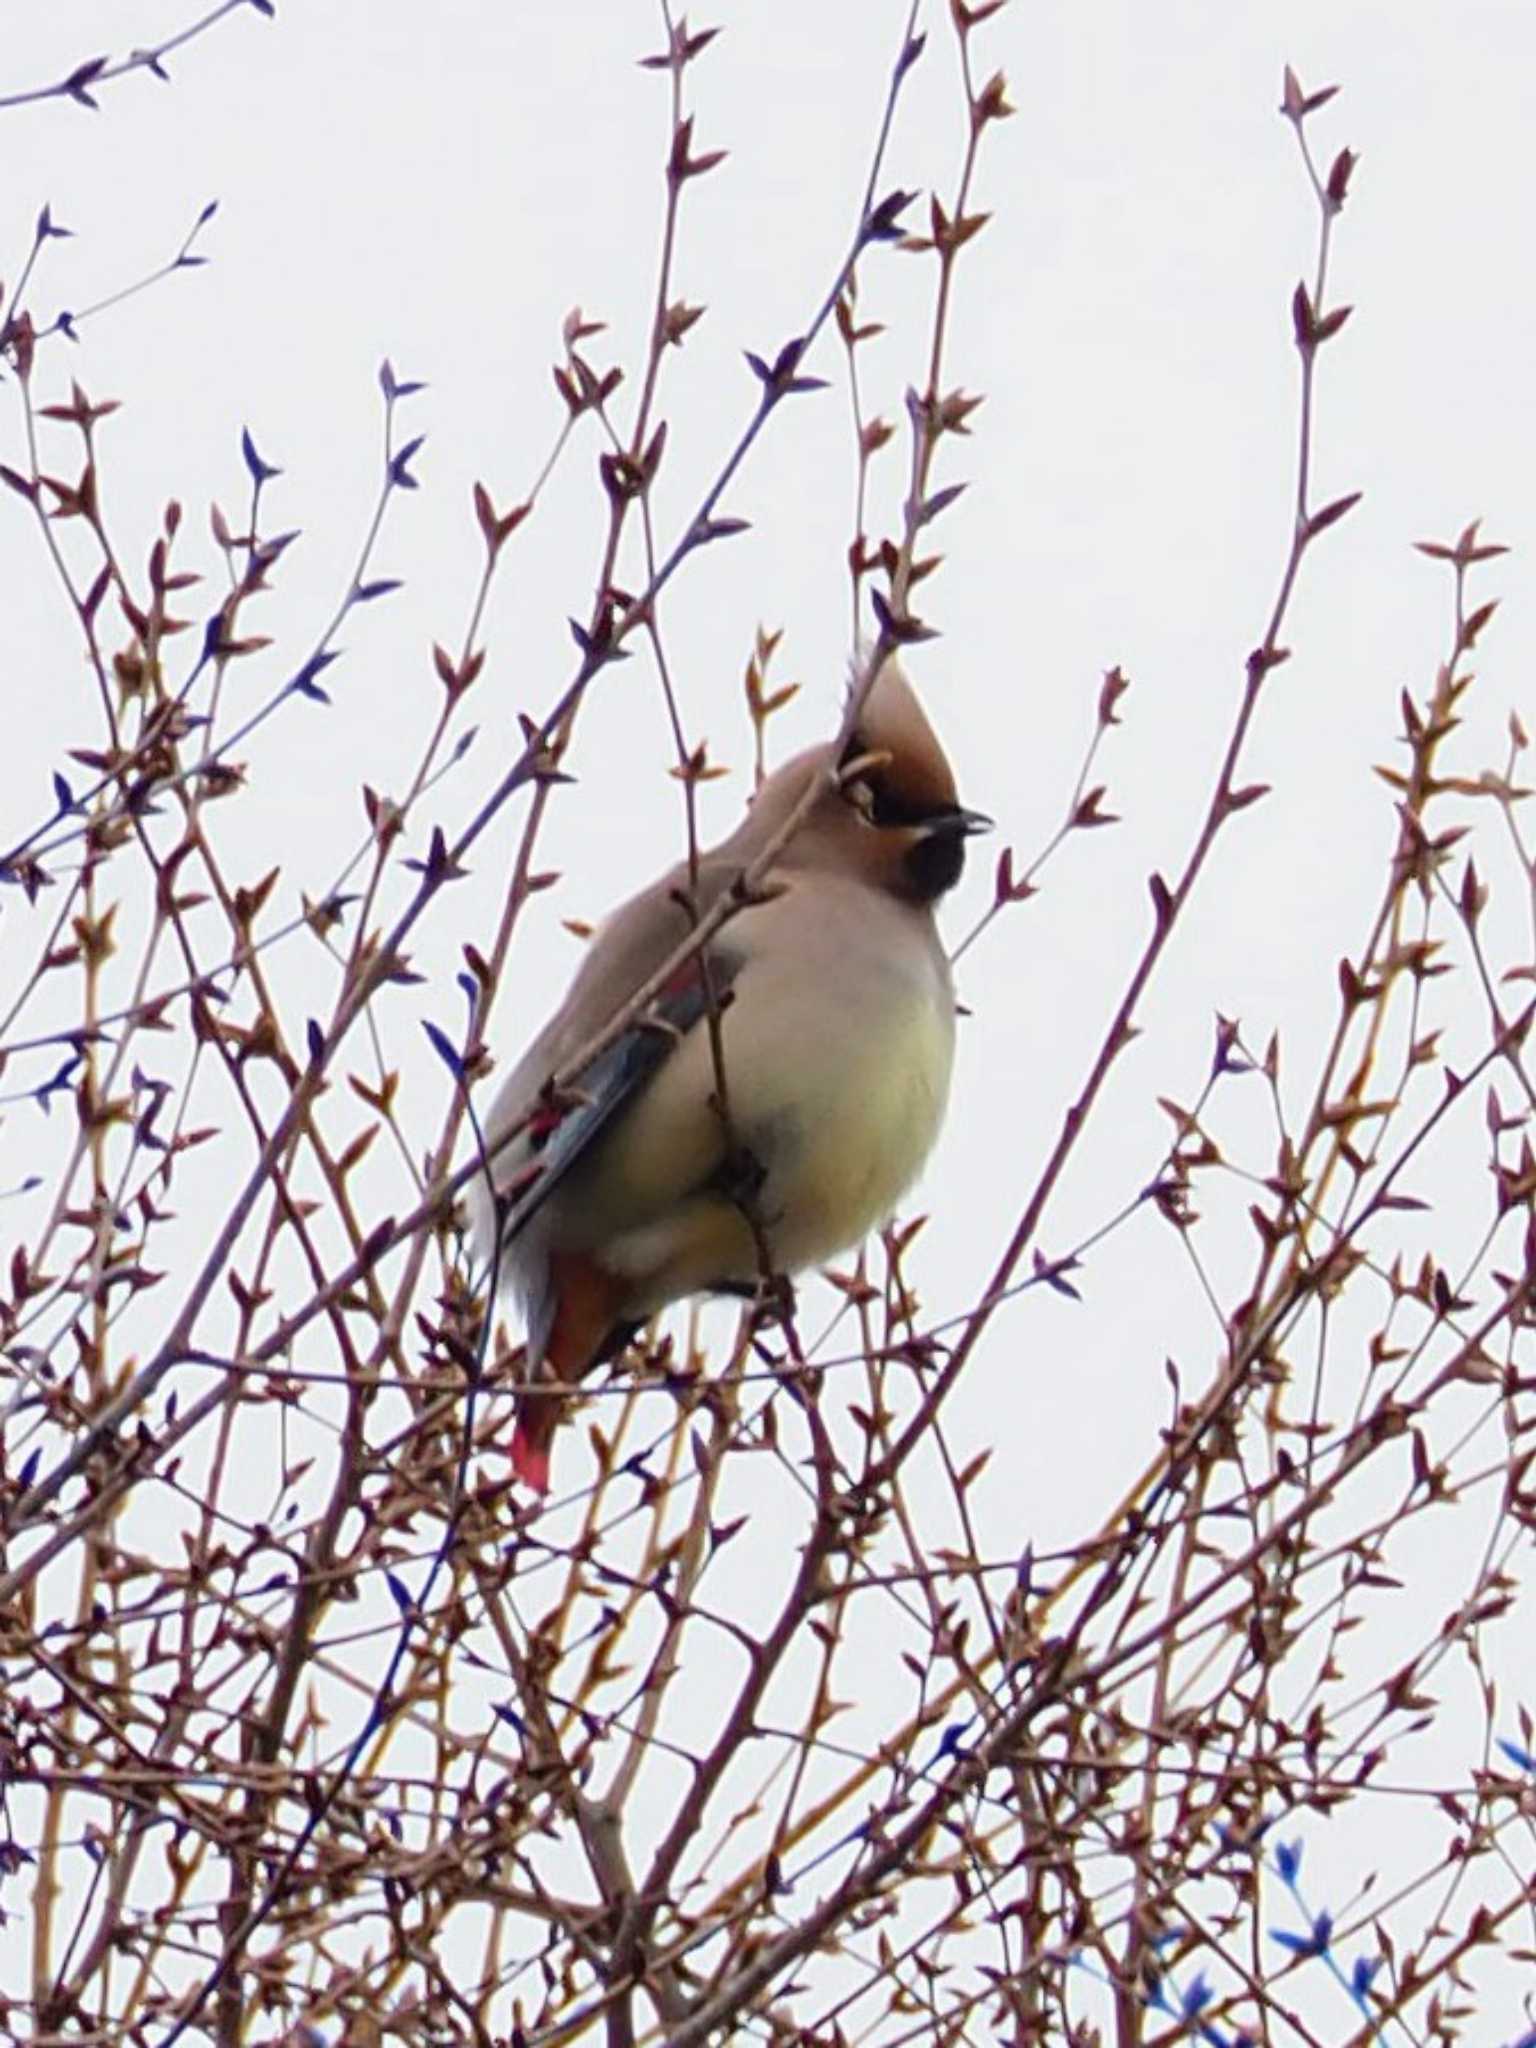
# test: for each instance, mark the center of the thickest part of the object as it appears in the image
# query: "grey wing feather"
(611, 1081)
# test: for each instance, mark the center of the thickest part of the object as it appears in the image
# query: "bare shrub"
(313, 1725)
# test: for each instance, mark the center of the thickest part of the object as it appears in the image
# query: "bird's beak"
(959, 824)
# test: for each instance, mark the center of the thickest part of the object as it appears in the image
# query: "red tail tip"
(530, 1460)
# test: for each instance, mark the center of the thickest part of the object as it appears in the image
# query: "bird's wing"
(564, 1130)
(624, 954)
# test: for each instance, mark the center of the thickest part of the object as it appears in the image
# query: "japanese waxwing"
(837, 1022)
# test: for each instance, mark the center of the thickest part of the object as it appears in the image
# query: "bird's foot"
(741, 1180)
(774, 1300)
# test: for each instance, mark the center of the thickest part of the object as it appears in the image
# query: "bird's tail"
(572, 1327)
(537, 1414)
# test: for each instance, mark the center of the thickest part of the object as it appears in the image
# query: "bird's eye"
(862, 796)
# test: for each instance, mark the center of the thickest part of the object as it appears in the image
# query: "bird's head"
(895, 815)
(885, 808)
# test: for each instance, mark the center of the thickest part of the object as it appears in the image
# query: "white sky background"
(440, 185)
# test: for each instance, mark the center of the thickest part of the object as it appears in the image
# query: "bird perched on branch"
(777, 1096)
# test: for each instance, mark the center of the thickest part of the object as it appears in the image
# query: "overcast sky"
(442, 185)
(439, 185)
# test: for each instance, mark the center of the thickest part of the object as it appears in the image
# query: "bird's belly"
(837, 1118)
(838, 1158)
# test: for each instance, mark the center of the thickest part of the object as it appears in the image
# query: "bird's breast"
(840, 1102)
(837, 1053)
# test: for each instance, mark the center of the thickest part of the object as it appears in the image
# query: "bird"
(829, 995)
